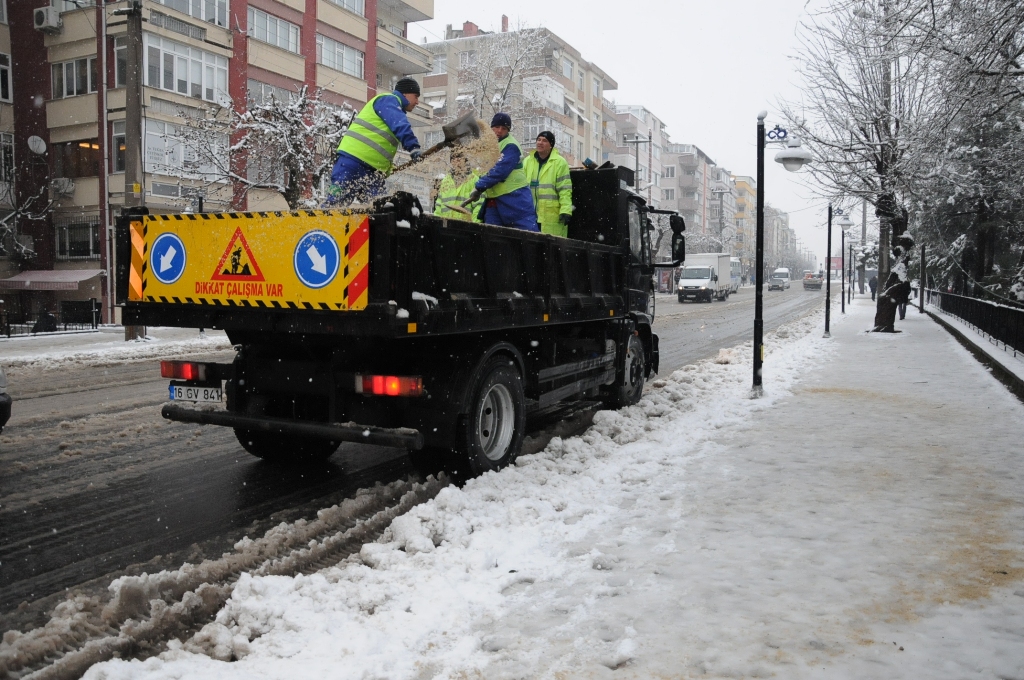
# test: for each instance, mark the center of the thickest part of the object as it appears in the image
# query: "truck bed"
(391, 273)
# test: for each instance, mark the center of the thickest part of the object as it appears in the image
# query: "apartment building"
(695, 181)
(639, 143)
(722, 209)
(8, 267)
(560, 91)
(746, 219)
(66, 77)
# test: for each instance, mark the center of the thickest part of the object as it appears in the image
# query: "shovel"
(466, 126)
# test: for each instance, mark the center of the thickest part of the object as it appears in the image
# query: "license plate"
(204, 394)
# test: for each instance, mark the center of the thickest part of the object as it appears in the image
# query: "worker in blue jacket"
(367, 149)
(505, 188)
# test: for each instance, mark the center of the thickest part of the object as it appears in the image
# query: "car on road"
(5, 400)
(812, 281)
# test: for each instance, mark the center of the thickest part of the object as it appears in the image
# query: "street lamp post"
(792, 158)
(828, 273)
(844, 223)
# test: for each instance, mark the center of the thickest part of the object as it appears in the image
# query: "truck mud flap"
(347, 432)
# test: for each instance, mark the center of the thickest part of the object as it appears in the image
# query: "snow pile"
(507, 576)
(117, 351)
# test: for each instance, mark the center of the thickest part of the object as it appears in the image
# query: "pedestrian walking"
(873, 285)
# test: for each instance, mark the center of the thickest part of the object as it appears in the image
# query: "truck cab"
(697, 282)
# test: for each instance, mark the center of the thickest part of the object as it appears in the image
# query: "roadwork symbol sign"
(317, 259)
(237, 263)
(167, 258)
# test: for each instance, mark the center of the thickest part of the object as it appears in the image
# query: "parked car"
(5, 400)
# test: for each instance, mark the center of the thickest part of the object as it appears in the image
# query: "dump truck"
(392, 326)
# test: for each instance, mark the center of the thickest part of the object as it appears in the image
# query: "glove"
(416, 155)
(473, 198)
(564, 219)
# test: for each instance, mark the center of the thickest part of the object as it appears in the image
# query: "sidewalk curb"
(1006, 376)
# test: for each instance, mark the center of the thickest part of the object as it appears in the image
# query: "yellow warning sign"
(237, 263)
(308, 259)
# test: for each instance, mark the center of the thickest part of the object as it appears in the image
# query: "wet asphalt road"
(94, 482)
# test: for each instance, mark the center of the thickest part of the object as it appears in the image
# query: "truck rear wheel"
(491, 436)
(629, 391)
(279, 448)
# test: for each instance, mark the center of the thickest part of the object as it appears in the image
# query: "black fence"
(73, 315)
(998, 321)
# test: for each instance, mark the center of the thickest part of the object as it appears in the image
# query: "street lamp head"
(793, 157)
(845, 222)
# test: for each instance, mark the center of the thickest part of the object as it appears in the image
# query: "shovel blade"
(466, 126)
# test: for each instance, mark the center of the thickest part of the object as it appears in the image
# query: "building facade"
(557, 90)
(65, 85)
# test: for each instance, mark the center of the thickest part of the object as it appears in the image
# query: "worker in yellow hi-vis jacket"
(550, 185)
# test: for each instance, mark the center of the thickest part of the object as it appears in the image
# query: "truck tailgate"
(273, 260)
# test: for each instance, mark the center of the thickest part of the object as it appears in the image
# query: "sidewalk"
(864, 519)
(61, 349)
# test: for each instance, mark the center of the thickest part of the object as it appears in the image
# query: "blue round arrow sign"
(317, 259)
(167, 258)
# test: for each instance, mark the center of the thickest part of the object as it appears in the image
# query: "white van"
(779, 280)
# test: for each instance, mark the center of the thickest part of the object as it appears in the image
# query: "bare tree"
(33, 207)
(869, 88)
(494, 68)
(284, 146)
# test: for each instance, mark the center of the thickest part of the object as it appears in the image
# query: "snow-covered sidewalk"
(861, 520)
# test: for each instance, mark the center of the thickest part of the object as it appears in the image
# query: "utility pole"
(863, 240)
(637, 140)
(721, 214)
(134, 183)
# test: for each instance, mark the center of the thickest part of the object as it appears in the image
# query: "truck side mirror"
(678, 247)
(676, 224)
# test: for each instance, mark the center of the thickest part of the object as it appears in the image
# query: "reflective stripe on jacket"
(448, 195)
(551, 189)
(516, 179)
(369, 139)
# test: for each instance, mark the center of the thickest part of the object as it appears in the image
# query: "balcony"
(398, 55)
(407, 10)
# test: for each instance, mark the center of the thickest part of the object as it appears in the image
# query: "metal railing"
(1000, 322)
(73, 315)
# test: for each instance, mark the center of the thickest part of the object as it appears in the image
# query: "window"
(5, 77)
(120, 61)
(3, 11)
(581, 80)
(670, 171)
(566, 68)
(440, 64)
(357, 6)
(269, 29)
(212, 11)
(597, 154)
(657, 152)
(118, 146)
(597, 87)
(339, 56)
(467, 58)
(6, 157)
(175, 67)
(77, 159)
(73, 78)
(261, 93)
(78, 238)
(579, 150)
(68, 5)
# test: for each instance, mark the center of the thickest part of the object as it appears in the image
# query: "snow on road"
(50, 352)
(670, 540)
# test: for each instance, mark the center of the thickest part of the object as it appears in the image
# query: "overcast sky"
(705, 69)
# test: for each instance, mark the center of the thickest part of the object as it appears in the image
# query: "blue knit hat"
(501, 120)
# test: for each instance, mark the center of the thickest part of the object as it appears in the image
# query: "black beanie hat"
(548, 136)
(408, 86)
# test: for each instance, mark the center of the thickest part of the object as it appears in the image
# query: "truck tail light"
(389, 385)
(183, 370)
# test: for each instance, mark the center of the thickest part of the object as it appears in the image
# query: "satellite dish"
(36, 145)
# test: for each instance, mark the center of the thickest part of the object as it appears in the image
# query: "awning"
(49, 279)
